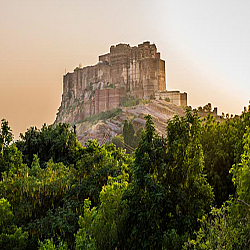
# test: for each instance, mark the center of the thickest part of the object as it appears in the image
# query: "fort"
(136, 71)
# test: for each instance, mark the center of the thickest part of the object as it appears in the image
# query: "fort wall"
(136, 70)
(175, 97)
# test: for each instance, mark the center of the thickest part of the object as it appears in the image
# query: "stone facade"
(175, 97)
(106, 99)
(137, 71)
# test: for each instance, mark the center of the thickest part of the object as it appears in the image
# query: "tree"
(130, 138)
(11, 236)
(169, 191)
(191, 195)
(49, 245)
(101, 228)
(125, 131)
(219, 143)
(131, 134)
(94, 167)
(10, 156)
(58, 143)
(228, 227)
(37, 196)
(241, 176)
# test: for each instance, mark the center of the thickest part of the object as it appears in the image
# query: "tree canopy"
(188, 190)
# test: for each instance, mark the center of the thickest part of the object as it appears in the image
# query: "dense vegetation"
(187, 191)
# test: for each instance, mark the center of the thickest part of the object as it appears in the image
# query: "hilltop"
(109, 124)
(96, 98)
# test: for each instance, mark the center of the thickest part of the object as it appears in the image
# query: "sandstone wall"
(107, 99)
(77, 83)
(137, 70)
(175, 97)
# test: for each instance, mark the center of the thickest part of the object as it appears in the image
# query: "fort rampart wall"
(136, 70)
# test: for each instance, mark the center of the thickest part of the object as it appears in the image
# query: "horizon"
(205, 46)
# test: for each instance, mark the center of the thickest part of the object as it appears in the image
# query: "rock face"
(104, 130)
(134, 71)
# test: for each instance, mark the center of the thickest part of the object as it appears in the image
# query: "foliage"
(34, 193)
(169, 190)
(228, 227)
(241, 171)
(220, 230)
(58, 143)
(84, 239)
(100, 229)
(129, 133)
(103, 116)
(11, 236)
(131, 139)
(156, 198)
(129, 101)
(219, 143)
(206, 108)
(94, 167)
(118, 140)
(60, 222)
(10, 156)
(193, 195)
(49, 245)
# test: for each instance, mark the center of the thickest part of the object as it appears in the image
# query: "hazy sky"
(206, 46)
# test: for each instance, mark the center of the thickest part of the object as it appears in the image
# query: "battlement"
(143, 50)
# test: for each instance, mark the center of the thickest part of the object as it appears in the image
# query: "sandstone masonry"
(137, 71)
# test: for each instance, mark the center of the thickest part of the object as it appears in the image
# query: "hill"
(103, 127)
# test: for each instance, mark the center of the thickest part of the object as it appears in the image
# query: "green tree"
(228, 227)
(94, 167)
(130, 138)
(49, 245)
(220, 230)
(241, 176)
(219, 143)
(190, 193)
(37, 196)
(10, 156)
(169, 191)
(131, 134)
(125, 131)
(207, 107)
(11, 236)
(58, 143)
(101, 228)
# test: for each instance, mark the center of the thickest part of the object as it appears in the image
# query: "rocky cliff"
(104, 129)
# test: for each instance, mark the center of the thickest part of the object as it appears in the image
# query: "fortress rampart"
(138, 71)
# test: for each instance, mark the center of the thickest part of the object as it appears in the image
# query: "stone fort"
(136, 71)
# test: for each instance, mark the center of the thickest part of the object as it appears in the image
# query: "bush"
(129, 101)
(102, 116)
